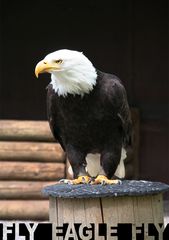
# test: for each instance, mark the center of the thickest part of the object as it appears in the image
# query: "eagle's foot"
(101, 179)
(79, 180)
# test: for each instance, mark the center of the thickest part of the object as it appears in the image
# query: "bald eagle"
(88, 114)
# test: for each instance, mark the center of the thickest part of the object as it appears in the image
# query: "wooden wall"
(128, 38)
(29, 160)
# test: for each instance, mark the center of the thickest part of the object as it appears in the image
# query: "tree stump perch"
(133, 202)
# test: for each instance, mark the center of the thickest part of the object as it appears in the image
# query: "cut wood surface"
(31, 171)
(138, 209)
(31, 151)
(108, 210)
(25, 130)
(24, 210)
(22, 189)
(74, 210)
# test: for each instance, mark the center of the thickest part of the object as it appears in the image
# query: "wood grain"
(157, 208)
(31, 171)
(22, 189)
(110, 205)
(93, 210)
(25, 130)
(143, 209)
(24, 210)
(31, 151)
(53, 210)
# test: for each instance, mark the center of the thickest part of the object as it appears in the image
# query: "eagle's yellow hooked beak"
(45, 66)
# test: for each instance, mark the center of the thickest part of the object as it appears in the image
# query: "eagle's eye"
(59, 61)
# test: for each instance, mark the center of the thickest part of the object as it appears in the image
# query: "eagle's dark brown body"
(98, 122)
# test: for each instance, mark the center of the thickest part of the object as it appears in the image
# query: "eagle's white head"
(71, 72)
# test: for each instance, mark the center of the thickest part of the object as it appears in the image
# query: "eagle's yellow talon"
(101, 179)
(79, 180)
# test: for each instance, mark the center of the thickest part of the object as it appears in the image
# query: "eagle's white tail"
(93, 165)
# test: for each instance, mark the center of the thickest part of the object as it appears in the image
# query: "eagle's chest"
(85, 118)
(83, 112)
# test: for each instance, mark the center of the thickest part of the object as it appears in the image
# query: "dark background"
(127, 38)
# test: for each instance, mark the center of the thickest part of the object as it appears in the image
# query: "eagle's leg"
(78, 163)
(109, 162)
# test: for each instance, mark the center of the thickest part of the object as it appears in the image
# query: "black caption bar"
(91, 231)
(25, 231)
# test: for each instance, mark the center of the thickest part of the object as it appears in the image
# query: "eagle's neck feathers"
(79, 80)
